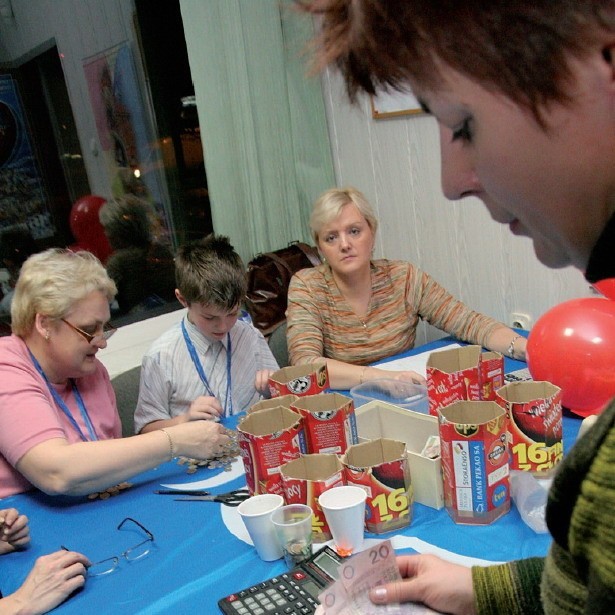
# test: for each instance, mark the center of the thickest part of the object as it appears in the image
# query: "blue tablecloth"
(195, 559)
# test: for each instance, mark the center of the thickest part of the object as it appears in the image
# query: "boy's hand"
(14, 530)
(261, 382)
(204, 408)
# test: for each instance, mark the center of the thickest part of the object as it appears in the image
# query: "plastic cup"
(256, 515)
(344, 509)
(293, 526)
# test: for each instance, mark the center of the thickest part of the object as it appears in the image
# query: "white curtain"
(263, 122)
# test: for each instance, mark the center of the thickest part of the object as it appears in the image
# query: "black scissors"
(232, 498)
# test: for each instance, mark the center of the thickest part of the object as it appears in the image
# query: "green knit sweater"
(578, 574)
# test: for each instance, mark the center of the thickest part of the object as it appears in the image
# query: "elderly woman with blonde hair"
(354, 310)
(59, 426)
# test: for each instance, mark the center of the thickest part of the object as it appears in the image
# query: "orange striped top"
(320, 323)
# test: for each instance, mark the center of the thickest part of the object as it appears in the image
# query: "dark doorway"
(165, 57)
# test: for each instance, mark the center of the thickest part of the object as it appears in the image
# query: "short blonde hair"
(330, 204)
(51, 282)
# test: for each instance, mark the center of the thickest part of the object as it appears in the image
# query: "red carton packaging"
(309, 379)
(329, 421)
(381, 468)
(534, 411)
(463, 373)
(304, 479)
(284, 401)
(475, 468)
(268, 439)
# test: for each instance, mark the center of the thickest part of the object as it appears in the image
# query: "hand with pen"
(52, 579)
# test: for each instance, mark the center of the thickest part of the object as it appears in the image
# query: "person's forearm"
(162, 423)
(501, 340)
(345, 375)
(57, 467)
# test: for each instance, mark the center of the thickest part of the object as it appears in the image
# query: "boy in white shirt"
(211, 364)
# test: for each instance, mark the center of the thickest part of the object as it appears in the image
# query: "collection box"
(464, 373)
(268, 439)
(305, 478)
(534, 411)
(474, 443)
(309, 379)
(380, 467)
(329, 421)
(378, 419)
(283, 400)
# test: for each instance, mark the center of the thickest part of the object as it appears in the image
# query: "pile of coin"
(107, 493)
(223, 461)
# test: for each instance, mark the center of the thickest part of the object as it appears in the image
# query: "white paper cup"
(256, 514)
(344, 509)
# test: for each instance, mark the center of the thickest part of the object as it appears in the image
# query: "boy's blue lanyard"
(60, 403)
(228, 399)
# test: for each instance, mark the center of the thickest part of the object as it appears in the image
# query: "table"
(198, 555)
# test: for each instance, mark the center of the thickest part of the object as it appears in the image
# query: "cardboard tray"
(379, 419)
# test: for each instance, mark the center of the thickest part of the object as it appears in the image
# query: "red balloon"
(606, 287)
(573, 346)
(86, 226)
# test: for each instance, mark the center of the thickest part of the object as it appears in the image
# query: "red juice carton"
(305, 478)
(464, 373)
(534, 410)
(475, 461)
(329, 421)
(268, 439)
(309, 379)
(380, 467)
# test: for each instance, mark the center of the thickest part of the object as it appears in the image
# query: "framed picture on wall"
(393, 104)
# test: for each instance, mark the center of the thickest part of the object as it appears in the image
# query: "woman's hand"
(408, 376)
(199, 439)
(430, 580)
(204, 408)
(53, 578)
(261, 382)
(14, 530)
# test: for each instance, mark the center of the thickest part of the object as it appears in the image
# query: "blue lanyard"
(60, 403)
(228, 399)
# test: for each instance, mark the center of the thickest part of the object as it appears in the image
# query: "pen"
(180, 492)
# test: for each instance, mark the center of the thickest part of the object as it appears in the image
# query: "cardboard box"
(378, 419)
(268, 439)
(380, 467)
(534, 411)
(283, 400)
(464, 373)
(329, 422)
(309, 379)
(305, 478)
(474, 444)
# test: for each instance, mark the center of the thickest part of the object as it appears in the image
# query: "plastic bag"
(530, 497)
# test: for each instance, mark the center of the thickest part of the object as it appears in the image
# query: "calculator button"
(305, 610)
(242, 610)
(280, 602)
(269, 607)
(259, 611)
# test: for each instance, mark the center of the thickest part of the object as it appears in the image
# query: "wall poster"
(23, 201)
(124, 130)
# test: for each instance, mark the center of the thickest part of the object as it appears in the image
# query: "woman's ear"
(42, 325)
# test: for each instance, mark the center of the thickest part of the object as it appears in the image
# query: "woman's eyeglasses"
(132, 554)
(107, 331)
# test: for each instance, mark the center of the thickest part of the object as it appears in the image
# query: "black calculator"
(293, 592)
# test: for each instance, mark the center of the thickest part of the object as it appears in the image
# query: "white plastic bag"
(530, 497)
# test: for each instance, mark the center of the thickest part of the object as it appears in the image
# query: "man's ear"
(181, 298)
(608, 53)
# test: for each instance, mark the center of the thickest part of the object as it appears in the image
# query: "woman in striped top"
(353, 310)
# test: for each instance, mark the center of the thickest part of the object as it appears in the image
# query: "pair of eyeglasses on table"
(138, 551)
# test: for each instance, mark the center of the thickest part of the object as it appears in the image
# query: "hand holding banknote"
(350, 594)
(430, 580)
